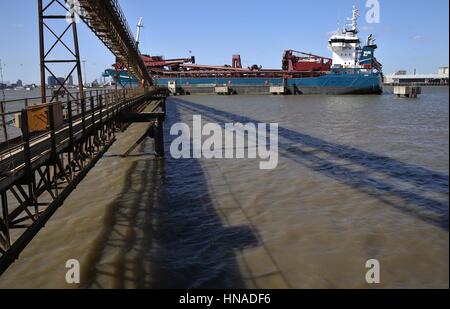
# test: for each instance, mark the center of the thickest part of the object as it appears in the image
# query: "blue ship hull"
(333, 83)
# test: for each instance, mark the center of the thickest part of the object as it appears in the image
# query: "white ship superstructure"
(345, 44)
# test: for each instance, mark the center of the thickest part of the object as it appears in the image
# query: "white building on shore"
(401, 77)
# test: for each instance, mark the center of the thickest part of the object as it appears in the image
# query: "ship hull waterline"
(332, 84)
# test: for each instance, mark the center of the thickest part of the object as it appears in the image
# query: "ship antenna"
(355, 16)
(354, 20)
(140, 25)
(1, 80)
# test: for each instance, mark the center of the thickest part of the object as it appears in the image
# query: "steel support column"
(66, 15)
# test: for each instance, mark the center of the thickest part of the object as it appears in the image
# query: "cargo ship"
(353, 69)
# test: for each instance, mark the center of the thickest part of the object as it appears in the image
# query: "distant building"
(443, 71)
(52, 81)
(418, 79)
(19, 83)
(70, 80)
(400, 72)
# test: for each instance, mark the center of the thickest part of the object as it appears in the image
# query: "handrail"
(77, 107)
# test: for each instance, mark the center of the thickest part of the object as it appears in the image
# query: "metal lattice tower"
(55, 10)
(106, 20)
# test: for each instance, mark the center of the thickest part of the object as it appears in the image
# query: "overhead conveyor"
(106, 19)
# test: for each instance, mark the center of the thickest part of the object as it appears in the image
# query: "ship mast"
(354, 20)
(1, 80)
(140, 25)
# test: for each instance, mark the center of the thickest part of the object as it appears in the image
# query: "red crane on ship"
(303, 62)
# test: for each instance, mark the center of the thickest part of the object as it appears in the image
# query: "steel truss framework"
(38, 175)
(106, 19)
(66, 15)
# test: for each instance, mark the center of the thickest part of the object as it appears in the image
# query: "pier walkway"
(58, 145)
(58, 140)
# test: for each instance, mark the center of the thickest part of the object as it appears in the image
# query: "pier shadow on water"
(415, 190)
(164, 232)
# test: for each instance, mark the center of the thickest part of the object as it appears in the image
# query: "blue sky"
(411, 33)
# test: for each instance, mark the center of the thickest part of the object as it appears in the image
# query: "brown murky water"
(359, 178)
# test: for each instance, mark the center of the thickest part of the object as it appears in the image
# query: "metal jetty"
(61, 139)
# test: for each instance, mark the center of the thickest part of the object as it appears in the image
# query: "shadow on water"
(404, 186)
(164, 232)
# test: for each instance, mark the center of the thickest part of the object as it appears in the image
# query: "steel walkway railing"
(39, 169)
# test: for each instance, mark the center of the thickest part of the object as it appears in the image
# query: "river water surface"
(359, 178)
